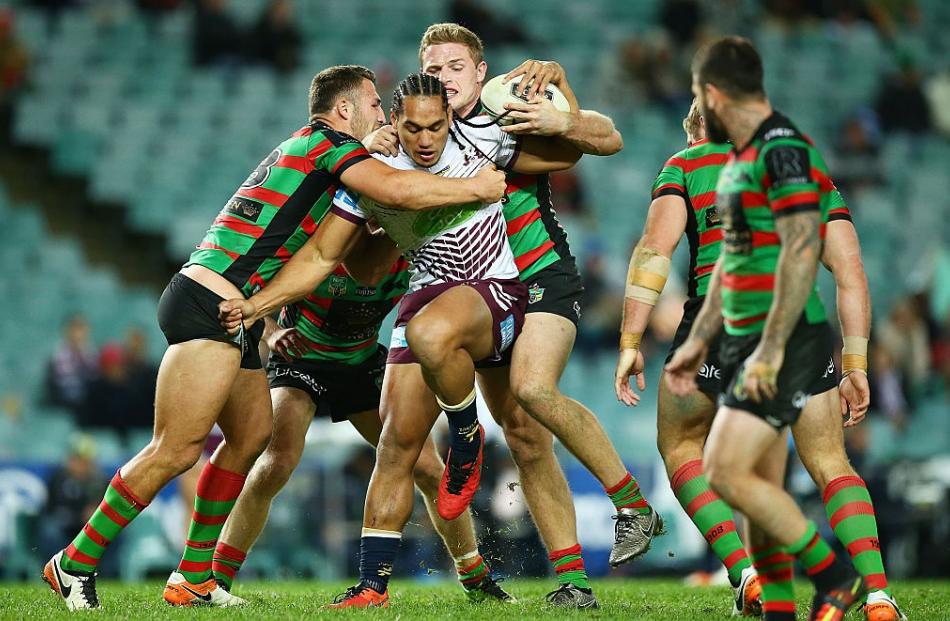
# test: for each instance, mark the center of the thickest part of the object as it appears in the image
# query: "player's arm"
(309, 266)
(538, 155)
(842, 257)
(372, 257)
(416, 190)
(587, 131)
(646, 277)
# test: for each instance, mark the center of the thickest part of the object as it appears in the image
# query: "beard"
(715, 130)
(361, 125)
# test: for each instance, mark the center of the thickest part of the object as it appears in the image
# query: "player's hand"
(232, 313)
(537, 75)
(855, 395)
(288, 343)
(760, 373)
(489, 184)
(682, 368)
(384, 140)
(629, 362)
(537, 117)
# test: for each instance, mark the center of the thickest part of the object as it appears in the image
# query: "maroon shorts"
(506, 299)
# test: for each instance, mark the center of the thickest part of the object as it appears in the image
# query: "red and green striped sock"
(851, 514)
(775, 569)
(119, 507)
(712, 516)
(569, 566)
(626, 495)
(818, 559)
(218, 490)
(226, 563)
(471, 570)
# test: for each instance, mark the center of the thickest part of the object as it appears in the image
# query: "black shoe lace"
(490, 586)
(353, 591)
(623, 527)
(564, 589)
(222, 584)
(87, 587)
(458, 476)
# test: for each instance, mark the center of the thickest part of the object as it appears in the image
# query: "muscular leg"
(293, 411)
(246, 422)
(682, 426)
(194, 381)
(819, 437)
(738, 443)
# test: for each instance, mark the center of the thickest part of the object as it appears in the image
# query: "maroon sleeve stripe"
(346, 215)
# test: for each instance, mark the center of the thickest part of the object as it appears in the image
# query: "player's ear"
(344, 108)
(480, 71)
(392, 118)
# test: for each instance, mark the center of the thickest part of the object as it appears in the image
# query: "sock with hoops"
(851, 514)
(824, 569)
(626, 495)
(776, 571)
(226, 563)
(471, 569)
(569, 566)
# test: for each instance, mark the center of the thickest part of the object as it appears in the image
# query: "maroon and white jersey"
(451, 244)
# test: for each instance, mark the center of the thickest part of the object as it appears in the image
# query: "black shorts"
(710, 374)
(188, 311)
(808, 369)
(337, 390)
(557, 289)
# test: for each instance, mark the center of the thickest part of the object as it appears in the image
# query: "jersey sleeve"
(346, 204)
(671, 179)
(790, 185)
(335, 152)
(837, 209)
(509, 146)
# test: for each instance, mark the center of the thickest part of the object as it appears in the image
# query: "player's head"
(346, 95)
(726, 73)
(454, 54)
(421, 117)
(693, 124)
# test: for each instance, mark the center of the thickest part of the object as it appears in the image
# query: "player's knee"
(825, 468)
(272, 471)
(398, 449)
(529, 444)
(535, 395)
(176, 456)
(427, 475)
(433, 339)
(720, 474)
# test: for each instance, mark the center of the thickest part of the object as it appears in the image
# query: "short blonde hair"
(437, 34)
(693, 123)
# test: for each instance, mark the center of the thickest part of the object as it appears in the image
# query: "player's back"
(692, 174)
(278, 206)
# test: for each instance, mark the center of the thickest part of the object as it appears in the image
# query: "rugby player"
(465, 304)
(683, 203)
(773, 194)
(209, 376)
(522, 393)
(325, 361)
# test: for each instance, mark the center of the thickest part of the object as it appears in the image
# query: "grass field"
(665, 600)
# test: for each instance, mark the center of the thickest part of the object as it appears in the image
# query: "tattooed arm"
(794, 279)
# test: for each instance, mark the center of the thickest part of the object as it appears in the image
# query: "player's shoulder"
(401, 160)
(779, 130)
(322, 131)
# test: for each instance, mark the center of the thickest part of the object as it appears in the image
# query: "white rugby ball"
(495, 94)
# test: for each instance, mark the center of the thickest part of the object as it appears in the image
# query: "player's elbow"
(613, 144)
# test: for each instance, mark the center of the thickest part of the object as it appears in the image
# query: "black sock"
(377, 553)
(464, 435)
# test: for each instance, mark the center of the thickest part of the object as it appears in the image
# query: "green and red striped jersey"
(692, 175)
(278, 206)
(340, 320)
(779, 173)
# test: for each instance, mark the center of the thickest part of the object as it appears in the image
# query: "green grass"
(631, 600)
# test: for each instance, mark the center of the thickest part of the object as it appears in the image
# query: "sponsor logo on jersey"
(778, 132)
(398, 339)
(337, 285)
(244, 208)
(507, 327)
(830, 369)
(712, 217)
(535, 293)
(366, 291)
(709, 371)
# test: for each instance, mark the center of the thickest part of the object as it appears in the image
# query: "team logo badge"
(535, 293)
(337, 285)
(799, 399)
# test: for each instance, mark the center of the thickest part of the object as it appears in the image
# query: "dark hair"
(732, 65)
(332, 83)
(418, 85)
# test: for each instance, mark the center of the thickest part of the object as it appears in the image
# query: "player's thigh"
(247, 418)
(293, 413)
(687, 417)
(459, 316)
(819, 432)
(774, 461)
(737, 440)
(407, 408)
(194, 382)
(541, 351)
(368, 424)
